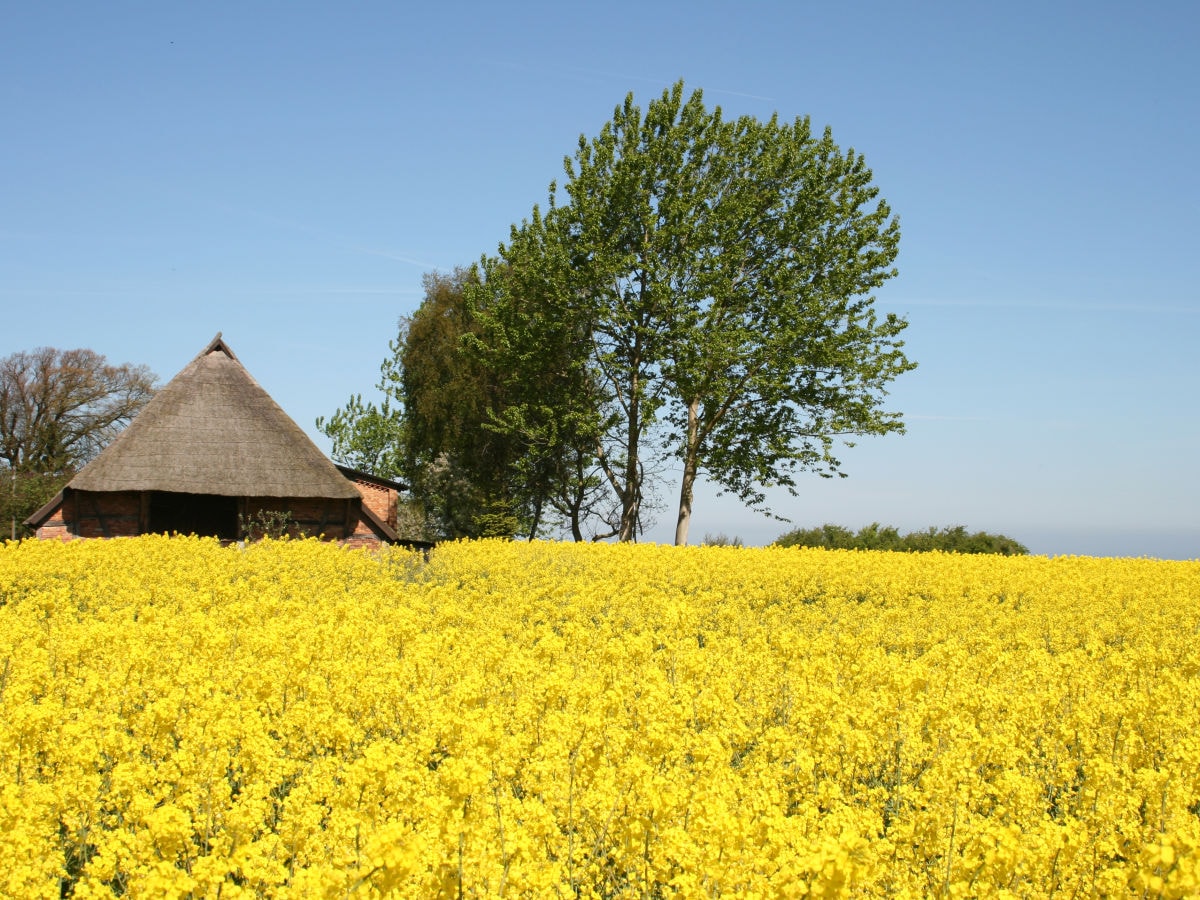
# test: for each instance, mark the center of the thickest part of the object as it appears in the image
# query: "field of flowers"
(297, 720)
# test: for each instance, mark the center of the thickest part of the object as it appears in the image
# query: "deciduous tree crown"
(721, 271)
(58, 409)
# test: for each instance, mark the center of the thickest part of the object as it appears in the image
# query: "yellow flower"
(298, 720)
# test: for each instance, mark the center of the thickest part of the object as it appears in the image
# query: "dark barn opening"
(206, 515)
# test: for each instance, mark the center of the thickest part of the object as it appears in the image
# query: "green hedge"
(951, 539)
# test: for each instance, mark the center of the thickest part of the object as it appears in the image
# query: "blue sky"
(286, 173)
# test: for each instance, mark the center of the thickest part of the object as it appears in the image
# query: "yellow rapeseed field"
(538, 720)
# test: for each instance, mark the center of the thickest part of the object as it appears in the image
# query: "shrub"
(951, 539)
(721, 539)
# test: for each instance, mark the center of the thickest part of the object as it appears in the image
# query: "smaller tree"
(365, 436)
(431, 427)
(23, 493)
(58, 409)
(463, 472)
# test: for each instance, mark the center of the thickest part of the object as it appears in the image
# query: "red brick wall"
(362, 535)
(55, 528)
(91, 515)
(380, 500)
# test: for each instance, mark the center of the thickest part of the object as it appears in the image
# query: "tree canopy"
(58, 409)
(463, 471)
(719, 274)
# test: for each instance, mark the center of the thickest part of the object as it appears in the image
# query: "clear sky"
(286, 172)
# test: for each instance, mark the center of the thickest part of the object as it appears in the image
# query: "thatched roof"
(214, 430)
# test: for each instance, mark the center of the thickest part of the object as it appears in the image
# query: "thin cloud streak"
(938, 418)
(1035, 307)
(398, 257)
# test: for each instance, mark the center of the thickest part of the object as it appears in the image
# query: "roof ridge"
(218, 343)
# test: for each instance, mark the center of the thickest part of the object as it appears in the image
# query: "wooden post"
(99, 515)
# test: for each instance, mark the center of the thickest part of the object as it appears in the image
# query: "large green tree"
(722, 271)
(58, 409)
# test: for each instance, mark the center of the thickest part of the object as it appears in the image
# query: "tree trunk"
(576, 513)
(632, 494)
(629, 515)
(537, 518)
(690, 467)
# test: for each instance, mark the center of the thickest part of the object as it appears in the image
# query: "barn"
(212, 454)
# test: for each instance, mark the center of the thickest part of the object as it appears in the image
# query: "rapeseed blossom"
(296, 720)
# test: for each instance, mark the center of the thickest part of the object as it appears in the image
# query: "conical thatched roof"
(213, 430)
